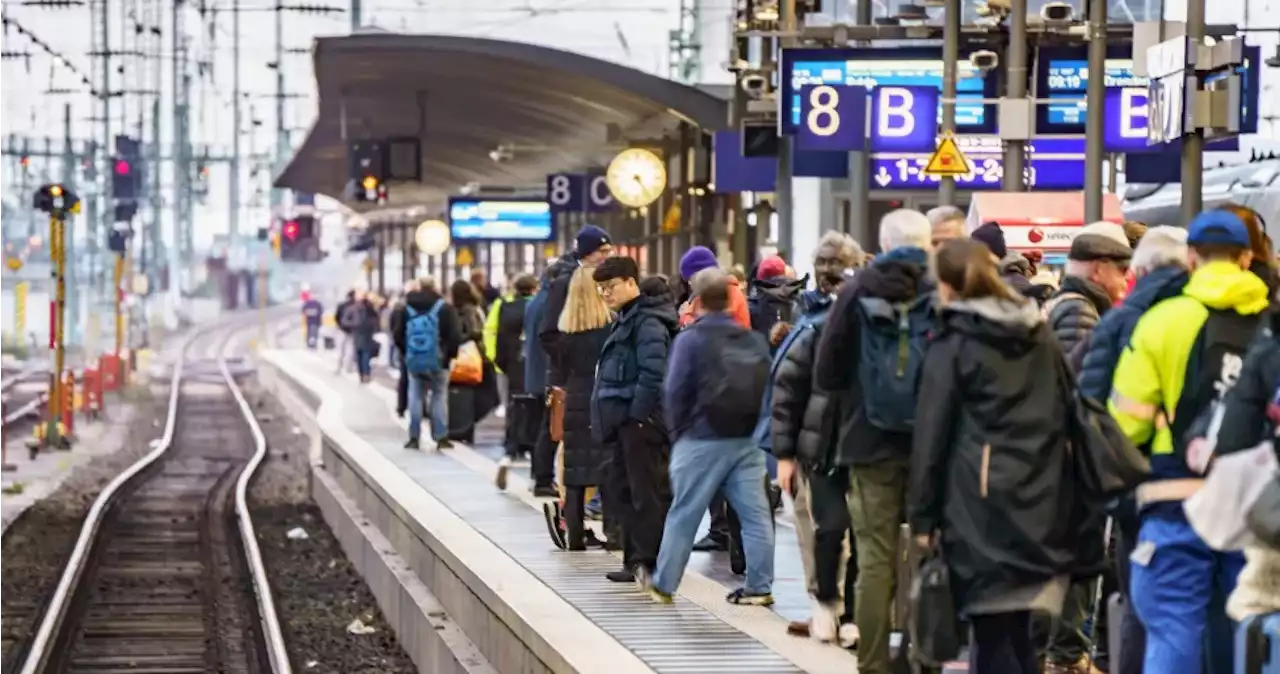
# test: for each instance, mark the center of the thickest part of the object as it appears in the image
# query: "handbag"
(1218, 510)
(1106, 463)
(1263, 517)
(934, 626)
(468, 368)
(555, 403)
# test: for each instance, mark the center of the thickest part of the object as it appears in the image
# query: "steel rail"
(41, 646)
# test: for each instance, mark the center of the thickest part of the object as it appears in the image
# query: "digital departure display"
(1069, 79)
(473, 219)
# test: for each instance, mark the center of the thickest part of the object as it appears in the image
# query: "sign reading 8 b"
(833, 119)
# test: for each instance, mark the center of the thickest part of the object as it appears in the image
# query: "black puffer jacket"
(804, 420)
(989, 465)
(1074, 311)
(1245, 421)
(556, 281)
(897, 276)
(772, 301)
(584, 456)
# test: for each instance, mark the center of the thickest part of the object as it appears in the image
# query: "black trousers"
(829, 505)
(574, 514)
(720, 529)
(543, 465)
(639, 491)
(1132, 632)
(1002, 644)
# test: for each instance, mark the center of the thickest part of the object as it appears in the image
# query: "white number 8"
(824, 117)
(560, 190)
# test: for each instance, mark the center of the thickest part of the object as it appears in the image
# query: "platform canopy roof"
(463, 97)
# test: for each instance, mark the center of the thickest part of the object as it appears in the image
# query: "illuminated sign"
(1065, 75)
(871, 68)
(833, 118)
(474, 219)
(1053, 164)
(902, 119)
(566, 192)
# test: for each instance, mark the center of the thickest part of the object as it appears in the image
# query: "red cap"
(770, 267)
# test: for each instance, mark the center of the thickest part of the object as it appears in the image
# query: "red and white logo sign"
(1044, 237)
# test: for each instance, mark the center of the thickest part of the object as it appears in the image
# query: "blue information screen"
(871, 68)
(1069, 79)
(473, 219)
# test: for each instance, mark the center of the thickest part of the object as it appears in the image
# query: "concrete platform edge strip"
(768, 628)
(478, 573)
(436, 644)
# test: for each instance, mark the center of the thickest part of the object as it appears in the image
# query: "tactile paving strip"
(674, 639)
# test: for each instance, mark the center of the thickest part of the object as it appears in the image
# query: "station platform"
(486, 556)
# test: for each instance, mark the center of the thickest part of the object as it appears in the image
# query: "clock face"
(636, 177)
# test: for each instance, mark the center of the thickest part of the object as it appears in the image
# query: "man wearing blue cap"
(1183, 355)
(543, 366)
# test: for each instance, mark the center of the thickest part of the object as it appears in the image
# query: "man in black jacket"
(626, 411)
(868, 460)
(591, 246)
(449, 339)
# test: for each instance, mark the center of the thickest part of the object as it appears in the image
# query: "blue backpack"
(893, 342)
(422, 340)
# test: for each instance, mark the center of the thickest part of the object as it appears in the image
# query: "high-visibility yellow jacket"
(491, 330)
(1151, 373)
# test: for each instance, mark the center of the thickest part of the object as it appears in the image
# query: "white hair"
(1160, 247)
(903, 228)
(944, 214)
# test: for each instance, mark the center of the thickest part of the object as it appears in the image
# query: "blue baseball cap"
(1217, 226)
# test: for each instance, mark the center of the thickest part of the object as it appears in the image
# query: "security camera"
(984, 60)
(1057, 12)
(502, 154)
(754, 84)
(1273, 61)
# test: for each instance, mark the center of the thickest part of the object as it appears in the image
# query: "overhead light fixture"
(432, 237)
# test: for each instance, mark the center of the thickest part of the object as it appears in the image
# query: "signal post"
(58, 202)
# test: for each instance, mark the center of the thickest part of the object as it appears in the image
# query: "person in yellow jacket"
(1184, 354)
(504, 346)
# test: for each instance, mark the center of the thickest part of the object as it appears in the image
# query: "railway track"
(166, 575)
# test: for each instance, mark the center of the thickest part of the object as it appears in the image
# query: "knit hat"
(697, 259)
(770, 267)
(590, 239)
(992, 236)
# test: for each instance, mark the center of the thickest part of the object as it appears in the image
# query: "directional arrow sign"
(947, 160)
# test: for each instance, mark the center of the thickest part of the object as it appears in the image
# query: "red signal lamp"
(291, 230)
(122, 167)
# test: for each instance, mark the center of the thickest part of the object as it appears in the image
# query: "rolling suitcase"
(1258, 645)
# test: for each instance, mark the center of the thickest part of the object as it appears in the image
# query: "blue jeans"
(1178, 596)
(437, 384)
(364, 361)
(699, 468)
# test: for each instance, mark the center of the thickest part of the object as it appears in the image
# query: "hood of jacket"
(1015, 263)
(1156, 286)
(780, 288)
(421, 300)
(1091, 291)
(897, 276)
(1224, 285)
(814, 302)
(565, 266)
(649, 305)
(1011, 326)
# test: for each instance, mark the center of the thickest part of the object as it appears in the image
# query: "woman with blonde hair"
(584, 322)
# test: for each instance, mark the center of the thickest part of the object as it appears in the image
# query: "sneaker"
(545, 491)
(824, 626)
(444, 444)
(644, 578)
(741, 597)
(849, 636)
(798, 628)
(412, 444)
(500, 413)
(504, 465)
(620, 576)
(711, 543)
(660, 597)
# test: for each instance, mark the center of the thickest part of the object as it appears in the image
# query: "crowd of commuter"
(950, 401)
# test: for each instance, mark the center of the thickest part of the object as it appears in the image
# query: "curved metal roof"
(465, 96)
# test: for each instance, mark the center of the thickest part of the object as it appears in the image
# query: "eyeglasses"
(608, 287)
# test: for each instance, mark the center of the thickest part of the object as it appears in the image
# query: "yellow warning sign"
(465, 258)
(13, 262)
(947, 160)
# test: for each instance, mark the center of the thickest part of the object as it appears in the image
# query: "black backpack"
(1217, 357)
(509, 347)
(734, 379)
